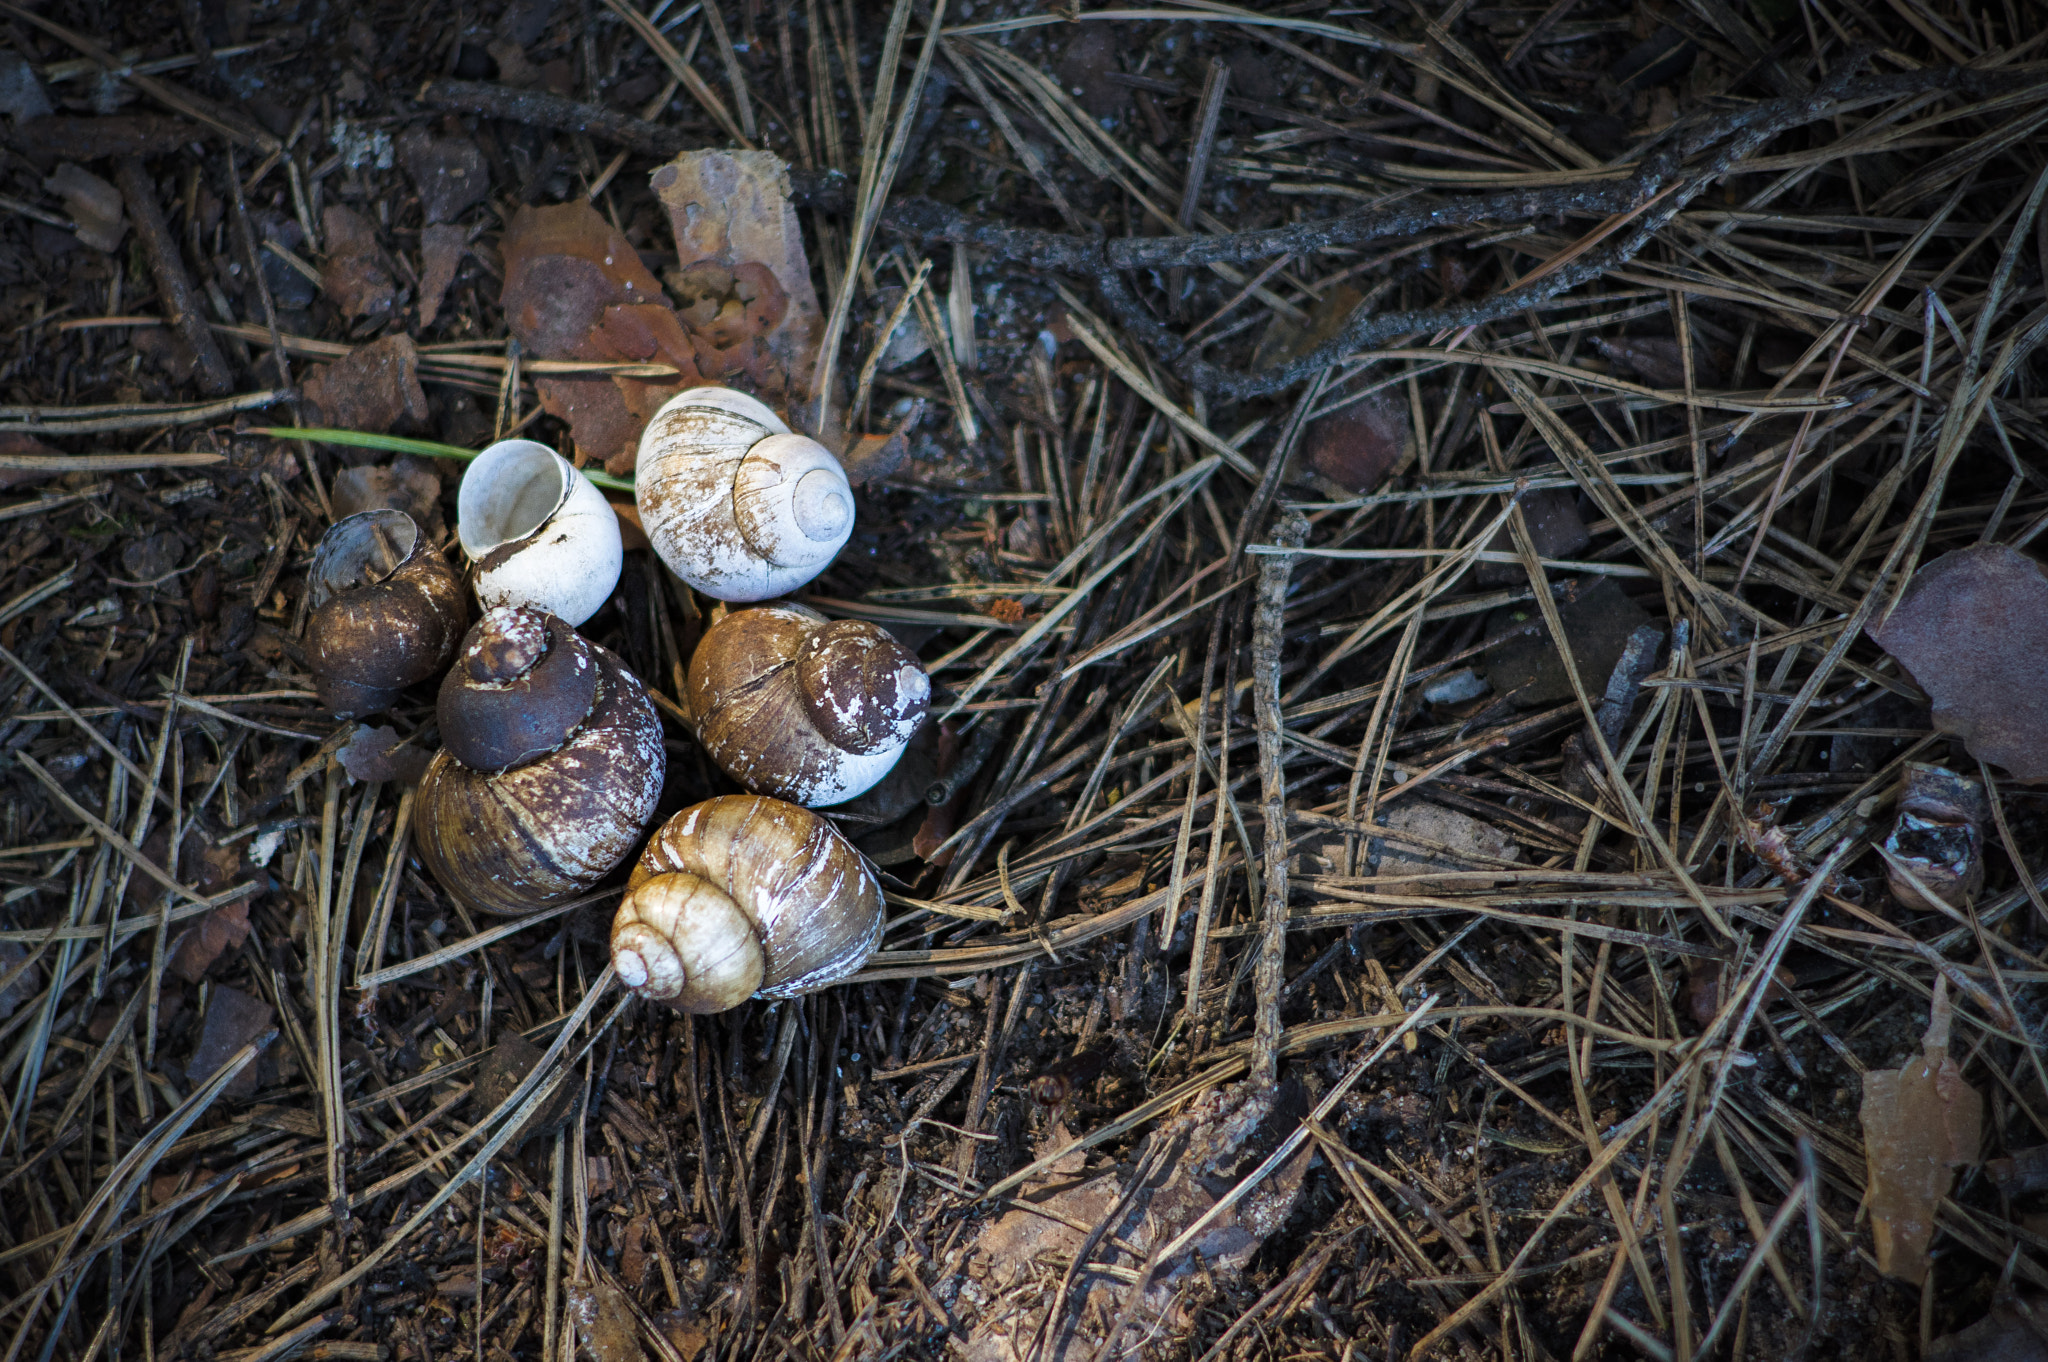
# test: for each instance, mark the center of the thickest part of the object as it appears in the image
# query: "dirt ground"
(1461, 816)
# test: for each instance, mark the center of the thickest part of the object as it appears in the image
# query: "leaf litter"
(1669, 909)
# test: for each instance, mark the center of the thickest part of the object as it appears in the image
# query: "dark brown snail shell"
(550, 768)
(387, 612)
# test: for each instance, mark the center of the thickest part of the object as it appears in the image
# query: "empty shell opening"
(507, 494)
(360, 550)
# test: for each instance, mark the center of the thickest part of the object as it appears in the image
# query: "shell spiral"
(765, 894)
(811, 710)
(735, 504)
(568, 766)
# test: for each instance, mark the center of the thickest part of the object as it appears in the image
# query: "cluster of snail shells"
(552, 761)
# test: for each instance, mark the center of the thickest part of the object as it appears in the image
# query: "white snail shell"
(807, 709)
(735, 504)
(743, 895)
(540, 533)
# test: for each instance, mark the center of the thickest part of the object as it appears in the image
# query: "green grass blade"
(398, 444)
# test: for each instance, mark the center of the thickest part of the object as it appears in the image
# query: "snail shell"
(539, 532)
(735, 504)
(811, 710)
(550, 767)
(387, 612)
(743, 895)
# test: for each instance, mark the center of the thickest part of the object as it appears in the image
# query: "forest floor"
(1474, 561)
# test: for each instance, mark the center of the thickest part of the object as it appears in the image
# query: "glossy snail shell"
(807, 709)
(743, 895)
(540, 533)
(550, 768)
(387, 612)
(735, 504)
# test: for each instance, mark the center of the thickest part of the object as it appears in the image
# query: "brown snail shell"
(550, 767)
(811, 710)
(743, 895)
(387, 612)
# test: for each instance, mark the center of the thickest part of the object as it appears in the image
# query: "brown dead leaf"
(1286, 340)
(233, 1019)
(1196, 1159)
(1658, 360)
(197, 947)
(2016, 1330)
(18, 443)
(604, 1322)
(1357, 446)
(354, 275)
(1972, 629)
(405, 484)
(378, 754)
(442, 246)
(575, 289)
(448, 172)
(94, 206)
(742, 275)
(1920, 1123)
(371, 388)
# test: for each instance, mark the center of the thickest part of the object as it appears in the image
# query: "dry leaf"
(1358, 445)
(742, 277)
(371, 388)
(407, 484)
(378, 754)
(449, 172)
(2016, 1330)
(233, 1019)
(604, 1322)
(442, 246)
(1972, 629)
(354, 275)
(1659, 361)
(1920, 1123)
(575, 289)
(94, 205)
(217, 932)
(1203, 1154)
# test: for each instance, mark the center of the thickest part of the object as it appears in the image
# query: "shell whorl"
(523, 683)
(737, 505)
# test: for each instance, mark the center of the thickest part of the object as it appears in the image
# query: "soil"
(1483, 443)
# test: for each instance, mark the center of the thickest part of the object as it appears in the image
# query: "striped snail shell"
(735, 504)
(387, 612)
(740, 896)
(550, 767)
(811, 710)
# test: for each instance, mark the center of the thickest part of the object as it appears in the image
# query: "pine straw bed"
(1230, 809)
